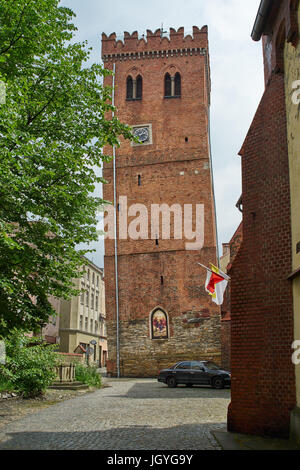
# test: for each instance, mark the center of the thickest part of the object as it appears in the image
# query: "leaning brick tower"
(157, 309)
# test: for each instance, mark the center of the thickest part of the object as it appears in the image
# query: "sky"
(236, 75)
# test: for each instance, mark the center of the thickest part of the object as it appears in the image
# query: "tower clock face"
(142, 133)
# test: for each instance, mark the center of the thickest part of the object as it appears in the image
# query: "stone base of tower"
(142, 357)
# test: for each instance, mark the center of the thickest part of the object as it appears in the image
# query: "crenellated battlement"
(154, 43)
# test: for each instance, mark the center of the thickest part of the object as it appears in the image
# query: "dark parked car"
(195, 373)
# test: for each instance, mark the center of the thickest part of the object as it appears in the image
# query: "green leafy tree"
(56, 120)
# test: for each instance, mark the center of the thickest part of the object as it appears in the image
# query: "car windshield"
(211, 366)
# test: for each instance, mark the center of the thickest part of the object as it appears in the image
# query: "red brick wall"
(235, 243)
(263, 377)
(226, 343)
(234, 246)
(172, 171)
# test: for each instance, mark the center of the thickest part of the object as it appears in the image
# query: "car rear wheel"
(171, 382)
(218, 382)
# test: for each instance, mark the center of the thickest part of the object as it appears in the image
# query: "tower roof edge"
(154, 41)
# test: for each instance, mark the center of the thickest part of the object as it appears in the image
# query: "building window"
(81, 322)
(139, 87)
(97, 281)
(159, 324)
(129, 88)
(93, 278)
(168, 85)
(139, 180)
(82, 298)
(86, 324)
(87, 299)
(92, 301)
(172, 86)
(177, 84)
(91, 326)
(134, 88)
(96, 302)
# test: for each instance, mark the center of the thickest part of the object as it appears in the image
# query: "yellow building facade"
(82, 326)
(292, 91)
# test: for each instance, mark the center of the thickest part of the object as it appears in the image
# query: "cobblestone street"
(128, 414)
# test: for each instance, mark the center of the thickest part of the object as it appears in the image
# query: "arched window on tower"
(168, 91)
(139, 87)
(129, 88)
(177, 84)
(173, 85)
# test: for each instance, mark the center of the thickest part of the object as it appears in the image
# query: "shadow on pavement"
(184, 437)
(154, 390)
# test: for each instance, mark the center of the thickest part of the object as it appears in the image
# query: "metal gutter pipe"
(261, 18)
(115, 235)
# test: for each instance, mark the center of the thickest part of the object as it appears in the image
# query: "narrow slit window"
(139, 180)
(162, 280)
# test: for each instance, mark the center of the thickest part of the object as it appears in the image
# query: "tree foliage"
(53, 128)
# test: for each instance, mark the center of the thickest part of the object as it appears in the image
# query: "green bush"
(30, 365)
(6, 384)
(88, 375)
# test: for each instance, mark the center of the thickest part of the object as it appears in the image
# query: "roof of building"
(94, 265)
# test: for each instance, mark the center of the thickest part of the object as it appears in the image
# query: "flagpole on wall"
(210, 162)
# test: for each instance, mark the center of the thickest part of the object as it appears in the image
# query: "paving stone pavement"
(129, 414)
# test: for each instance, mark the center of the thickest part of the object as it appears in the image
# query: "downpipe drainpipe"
(263, 12)
(115, 236)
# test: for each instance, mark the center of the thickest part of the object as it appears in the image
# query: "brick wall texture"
(263, 376)
(175, 168)
(234, 246)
